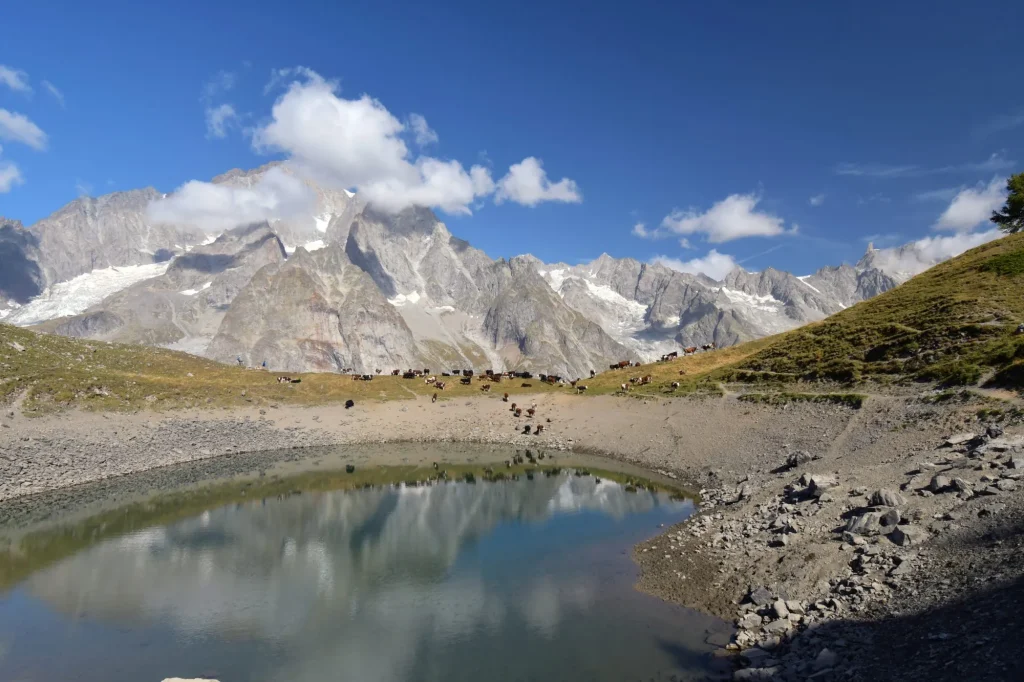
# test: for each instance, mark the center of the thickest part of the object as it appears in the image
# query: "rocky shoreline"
(822, 527)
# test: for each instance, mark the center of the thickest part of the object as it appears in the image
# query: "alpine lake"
(327, 565)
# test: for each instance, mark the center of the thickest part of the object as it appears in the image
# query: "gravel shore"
(830, 535)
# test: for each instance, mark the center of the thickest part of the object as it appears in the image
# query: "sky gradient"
(703, 134)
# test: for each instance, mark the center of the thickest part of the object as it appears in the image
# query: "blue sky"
(703, 121)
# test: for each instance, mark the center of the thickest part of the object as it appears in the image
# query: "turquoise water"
(519, 580)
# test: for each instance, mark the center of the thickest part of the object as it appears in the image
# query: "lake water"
(517, 580)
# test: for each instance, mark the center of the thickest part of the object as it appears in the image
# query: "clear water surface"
(518, 580)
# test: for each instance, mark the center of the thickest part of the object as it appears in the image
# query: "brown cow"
(530, 411)
(624, 363)
(540, 427)
(690, 350)
(525, 385)
(485, 387)
(395, 372)
(433, 398)
(465, 381)
(504, 398)
(439, 385)
(513, 408)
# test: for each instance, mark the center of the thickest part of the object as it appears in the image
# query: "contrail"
(758, 255)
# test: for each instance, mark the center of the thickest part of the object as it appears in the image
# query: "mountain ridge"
(435, 300)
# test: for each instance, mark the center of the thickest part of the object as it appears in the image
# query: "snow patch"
(767, 302)
(444, 309)
(193, 292)
(672, 321)
(348, 193)
(402, 299)
(211, 239)
(82, 292)
(314, 245)
(322, 221)
(804, 280)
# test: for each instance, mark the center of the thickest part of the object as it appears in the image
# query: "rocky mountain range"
(347, 286)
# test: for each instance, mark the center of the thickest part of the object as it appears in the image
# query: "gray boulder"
(887, 498)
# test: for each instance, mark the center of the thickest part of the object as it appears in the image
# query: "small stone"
(939, 483)
(780, 609)
(755, 674)
(961, 486)
(798, 458)
(751, 621)
(754, 656)
(820, 483)
(778, 627)
(1017, 462)
(959, 438)
(994, 431)
(760, 596)
(825, 659)
(795, 607)
(905, 536)
(887, 498)
(1006, 485)
(890, 517)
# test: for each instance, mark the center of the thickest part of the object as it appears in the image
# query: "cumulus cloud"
(715, 265)
(527, 183)
(817, 200)
(18, 128)
(972, 206)
(10, 175)
(423, 133)
(54, 92)
(15, 79)
(916, 257)
(214, 208)
(640, 230)
(734, 217)
(219, 119)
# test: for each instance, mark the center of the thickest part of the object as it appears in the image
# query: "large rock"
(907, 536)
(940, 483)
(819, 484)
(887, 498)
(761, 596)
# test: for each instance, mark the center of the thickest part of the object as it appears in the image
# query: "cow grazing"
(379, 371)
(409, 375)
(593, 374)
(433, 398)
(682, 372)
(580, 389)
(430, 380)
(505, 398)
(623, 387)
(573, 383)
(350, 403)
(284, 380)
(540, 427)
(439, 385)
(467, 372)
(367, 377)
(623, 364)
(530, 411)
(513, 408)
(525, 385)
(446, 374)
(396, 372)
(709, 346)
(485, 388)
(690, 350)
(675, 385)
(526, 429)
(519, 412)
(489, 372)
(465, 381)
(542, 377)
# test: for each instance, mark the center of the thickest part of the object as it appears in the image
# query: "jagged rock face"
(21, 278)
(316, 311)
(184, 307)
(93, 233)
(368, 290)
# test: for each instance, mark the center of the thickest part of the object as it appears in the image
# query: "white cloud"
(357, 144)
(54, 92)
(214, 208)
(424, 135)
(17, 128)
(10, 176)
(527, 183)
(817, 200)
(715, 265)
(916, 257)
(278, 76)
(940, 194)
(14, 79)
(731, 218)
(972, 206)
(640, 230)
(219, 119)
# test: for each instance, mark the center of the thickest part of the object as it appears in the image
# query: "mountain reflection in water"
(509, 581)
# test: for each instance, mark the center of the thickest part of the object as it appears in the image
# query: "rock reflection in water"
(437, 582)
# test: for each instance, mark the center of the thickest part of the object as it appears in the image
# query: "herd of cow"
(466, 376)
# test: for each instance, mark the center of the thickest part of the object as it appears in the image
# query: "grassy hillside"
(952, 325)
(55, 372)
